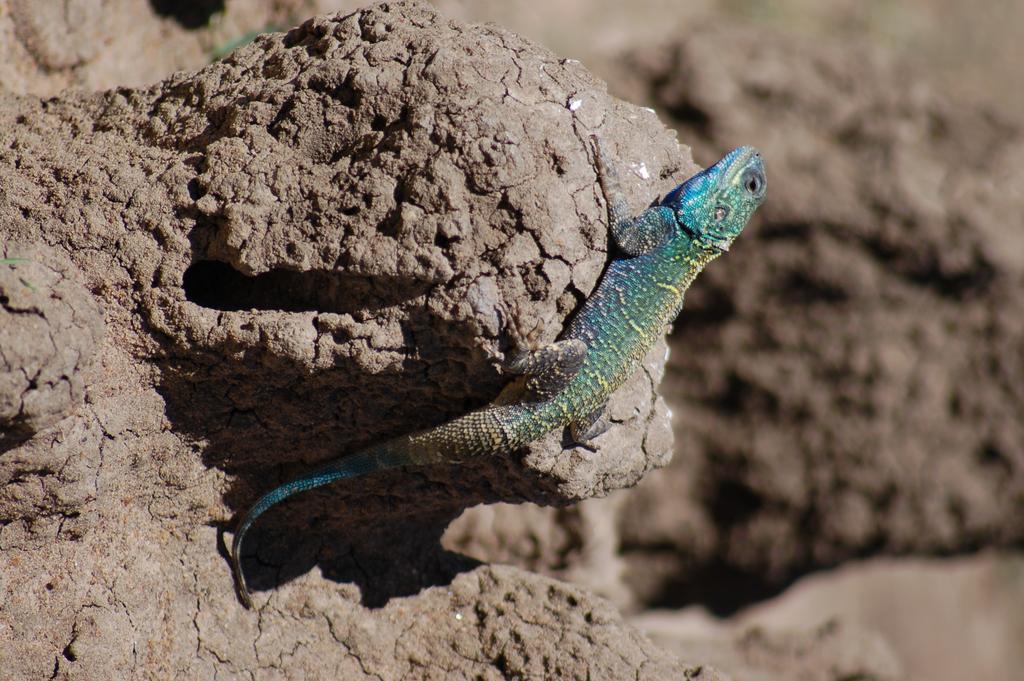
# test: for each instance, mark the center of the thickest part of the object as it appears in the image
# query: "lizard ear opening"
(682, 197)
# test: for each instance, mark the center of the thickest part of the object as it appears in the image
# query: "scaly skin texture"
(569, 382)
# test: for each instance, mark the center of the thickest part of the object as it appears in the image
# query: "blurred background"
(847, 493)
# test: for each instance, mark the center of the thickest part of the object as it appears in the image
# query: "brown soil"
(331, 237)
(327, 238)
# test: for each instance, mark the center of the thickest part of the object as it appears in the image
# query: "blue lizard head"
(715, 204)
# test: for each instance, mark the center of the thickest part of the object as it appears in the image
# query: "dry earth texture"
(327, 238)
(331, 236)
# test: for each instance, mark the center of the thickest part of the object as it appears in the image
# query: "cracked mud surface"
(49, 329)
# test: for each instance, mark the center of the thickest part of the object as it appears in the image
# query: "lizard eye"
(721, 213)
(753, 182)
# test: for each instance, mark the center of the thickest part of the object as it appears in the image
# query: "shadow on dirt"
(264, 418)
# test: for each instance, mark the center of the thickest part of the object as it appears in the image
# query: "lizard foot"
(550, 368)
(590, 427)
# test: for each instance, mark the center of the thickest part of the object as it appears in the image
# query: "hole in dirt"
(690, 114)
(721, 588)
(219, 286)
(734, 502)
(195, 190)
(194, 14)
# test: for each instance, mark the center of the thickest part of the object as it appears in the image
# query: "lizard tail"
(374, 459)
(473, 434)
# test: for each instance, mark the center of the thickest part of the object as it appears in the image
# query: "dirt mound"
(327, 238)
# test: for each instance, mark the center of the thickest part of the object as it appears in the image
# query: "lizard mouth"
(722, 245)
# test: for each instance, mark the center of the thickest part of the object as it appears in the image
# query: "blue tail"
(374, 459)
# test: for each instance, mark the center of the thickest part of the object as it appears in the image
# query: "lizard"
(568, 382)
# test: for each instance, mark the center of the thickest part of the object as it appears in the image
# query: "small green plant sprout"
(227, 48)
(15, 261)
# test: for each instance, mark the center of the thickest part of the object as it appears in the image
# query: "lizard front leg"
(550, 368)
(633, 235)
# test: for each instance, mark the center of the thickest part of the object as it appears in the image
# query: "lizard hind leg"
(591, 426)
(549, 368)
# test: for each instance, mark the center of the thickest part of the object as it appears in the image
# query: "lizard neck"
(678, 267)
